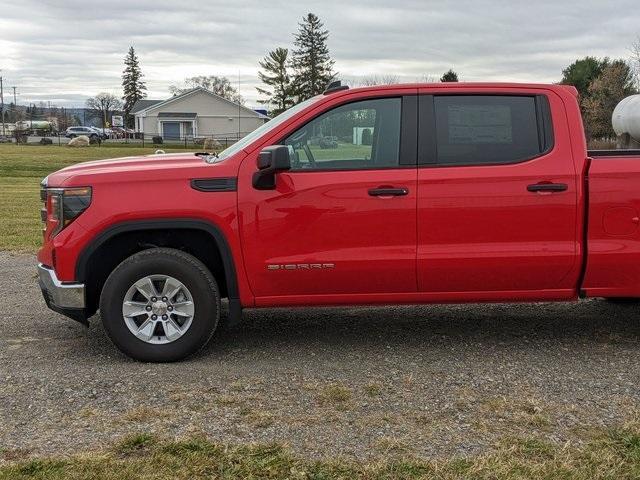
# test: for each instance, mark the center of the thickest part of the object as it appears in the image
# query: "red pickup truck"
(436, 193)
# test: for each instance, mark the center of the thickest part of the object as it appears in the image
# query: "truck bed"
(613, 228)
(614, 153)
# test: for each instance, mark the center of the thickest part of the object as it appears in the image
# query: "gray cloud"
(65, 51)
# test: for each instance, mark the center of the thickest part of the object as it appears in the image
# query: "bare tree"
(219, 85)
(103, 105)
(372, 80)
(429, 78)
(387, 79)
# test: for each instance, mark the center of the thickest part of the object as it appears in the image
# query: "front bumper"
(62, 297)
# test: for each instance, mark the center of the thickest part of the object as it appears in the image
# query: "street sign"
(117, 121)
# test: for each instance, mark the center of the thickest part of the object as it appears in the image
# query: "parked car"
(73, 132)
(121, 132)
(328, 142)
(102, 132)
(469, 193)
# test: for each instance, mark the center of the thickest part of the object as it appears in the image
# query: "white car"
(104, 133)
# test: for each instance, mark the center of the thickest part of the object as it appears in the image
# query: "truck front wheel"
(160, 305)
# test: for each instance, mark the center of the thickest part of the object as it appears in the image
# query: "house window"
(177, 130)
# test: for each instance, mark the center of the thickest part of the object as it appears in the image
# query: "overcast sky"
(64, 51)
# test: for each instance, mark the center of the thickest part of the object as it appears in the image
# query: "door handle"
(388, 192)
(547, 187)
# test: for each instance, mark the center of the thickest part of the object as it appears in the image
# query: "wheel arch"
(130, 237)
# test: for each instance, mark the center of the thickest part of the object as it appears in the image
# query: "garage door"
(171, 130)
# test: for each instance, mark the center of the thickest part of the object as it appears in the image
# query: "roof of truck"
(467, 85)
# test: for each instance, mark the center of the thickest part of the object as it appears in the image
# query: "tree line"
(293, 74)
(601, 84)
(289, 77)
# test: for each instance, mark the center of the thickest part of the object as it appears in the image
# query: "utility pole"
(2, 105)
(14, 96)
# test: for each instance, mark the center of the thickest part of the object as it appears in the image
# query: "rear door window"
(488, 129)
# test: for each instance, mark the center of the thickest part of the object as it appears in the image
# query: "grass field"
(606, 455)
(22, 167)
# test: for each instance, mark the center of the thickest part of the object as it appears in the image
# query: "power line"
(2, 105)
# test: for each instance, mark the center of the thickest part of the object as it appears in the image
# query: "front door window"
(359, 135)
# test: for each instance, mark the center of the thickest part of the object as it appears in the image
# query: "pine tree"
(276, 76)
(311, 62)
(132, 85)
(449, 76)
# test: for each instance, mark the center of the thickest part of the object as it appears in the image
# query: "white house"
(196, 113)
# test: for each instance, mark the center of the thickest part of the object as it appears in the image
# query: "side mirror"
(271, 160)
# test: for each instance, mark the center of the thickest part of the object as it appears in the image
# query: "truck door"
(342, 220)
(497, 200)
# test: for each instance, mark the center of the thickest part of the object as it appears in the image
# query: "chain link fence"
(216, 141)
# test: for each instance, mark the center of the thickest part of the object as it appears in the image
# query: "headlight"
(62, 206)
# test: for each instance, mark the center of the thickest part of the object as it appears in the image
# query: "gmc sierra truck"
(435, 193)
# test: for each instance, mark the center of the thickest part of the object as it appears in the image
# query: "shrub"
(211, 144)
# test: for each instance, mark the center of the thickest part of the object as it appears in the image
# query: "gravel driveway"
(427, 380)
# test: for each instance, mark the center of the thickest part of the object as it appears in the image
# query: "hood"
(132, 168)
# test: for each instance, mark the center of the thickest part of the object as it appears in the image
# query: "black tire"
(183, 267)
(72, 136)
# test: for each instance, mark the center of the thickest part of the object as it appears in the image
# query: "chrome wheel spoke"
(183, 309)
(145, 331)
(146, 288)
(171, 288)
(134, 309)
(171, 330)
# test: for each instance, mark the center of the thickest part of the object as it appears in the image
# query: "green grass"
(21, 228)
(22, 167)
(39, 161)
(607, 455)
(344, 150)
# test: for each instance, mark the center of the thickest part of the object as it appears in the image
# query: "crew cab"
(401, 194)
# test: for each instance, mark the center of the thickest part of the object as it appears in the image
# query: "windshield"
(261, 130)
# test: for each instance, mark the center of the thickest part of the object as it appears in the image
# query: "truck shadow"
(343, 333)
(424, 326)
